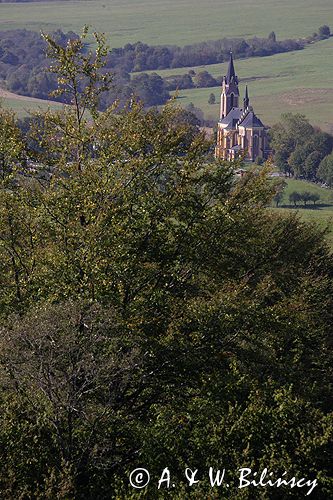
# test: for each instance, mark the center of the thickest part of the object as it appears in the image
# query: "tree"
(290, 135)
(197, 112)
(281, 161)
(294, 197)
(314, 197)
(12, 150)
(272, 37)
(259, 160)
(296, 161)
(279, 187)
(305, 197)
(211, 99)
(324, 31)
(322, 142)
(325, 170)
(150, 89)
(278, 198)
(311, 164)
(205, 79)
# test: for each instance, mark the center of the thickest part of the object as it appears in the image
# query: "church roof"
(231, 75)
(232, 117)
(251, 120)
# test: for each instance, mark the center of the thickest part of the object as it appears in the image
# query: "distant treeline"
(143, 57)
(23, 63)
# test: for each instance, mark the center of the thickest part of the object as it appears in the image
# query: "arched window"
(232, 99)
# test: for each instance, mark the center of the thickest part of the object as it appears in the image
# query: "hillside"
(23, 104)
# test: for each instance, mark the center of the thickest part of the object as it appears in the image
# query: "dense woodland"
(23, 64)
(153, 311)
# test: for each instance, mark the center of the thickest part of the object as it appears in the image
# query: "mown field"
(172, 21)
(322, 214)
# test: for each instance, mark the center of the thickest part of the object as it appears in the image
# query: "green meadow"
(326, 195)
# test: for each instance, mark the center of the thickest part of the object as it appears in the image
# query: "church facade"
(239, 132)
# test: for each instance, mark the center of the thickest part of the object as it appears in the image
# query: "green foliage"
(324, 31)
(325, 171)
(79, 77)
(279, 194)
(292, 131)
(11, 145)
(211, 99)
(299, 148)
(259, 160)
(296, 197)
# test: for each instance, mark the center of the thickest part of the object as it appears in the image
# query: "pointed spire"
(246, 98)
(231, 75)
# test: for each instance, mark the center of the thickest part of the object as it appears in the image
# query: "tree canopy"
(299, 147)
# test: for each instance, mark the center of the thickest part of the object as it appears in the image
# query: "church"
(240, 132)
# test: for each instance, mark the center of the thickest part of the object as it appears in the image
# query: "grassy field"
(172, 21)
(326, 195)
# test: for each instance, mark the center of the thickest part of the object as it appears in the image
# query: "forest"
(153, 311)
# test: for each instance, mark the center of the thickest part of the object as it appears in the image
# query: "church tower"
(230, 91)
(240, 133)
